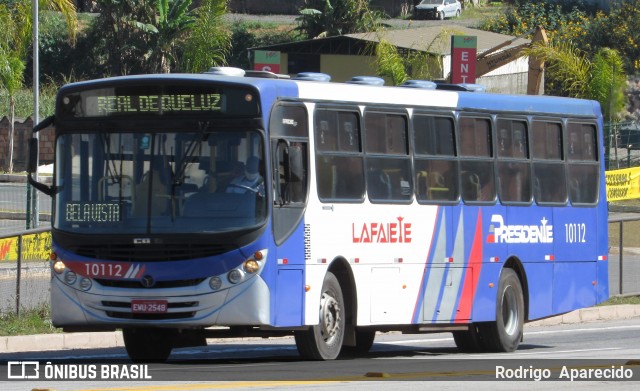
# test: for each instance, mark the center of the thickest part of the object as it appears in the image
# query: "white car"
(437, 9)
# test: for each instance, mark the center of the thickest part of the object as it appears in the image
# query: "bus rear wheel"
(505, 334)
(148, 344)
(324, 340)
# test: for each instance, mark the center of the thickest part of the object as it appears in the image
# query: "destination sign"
(153, 104)
(92, 212)
(166, 100)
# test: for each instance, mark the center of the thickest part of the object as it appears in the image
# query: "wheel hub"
(330, 316)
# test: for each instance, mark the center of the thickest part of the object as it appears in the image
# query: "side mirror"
(34, 154)
(32, 162)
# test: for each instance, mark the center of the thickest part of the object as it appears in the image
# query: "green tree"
(327, 18)
(15, 39)
(600, 77)
(135, 37)
(173, 23)
(618, 29)
(209, 40)
(122, 36)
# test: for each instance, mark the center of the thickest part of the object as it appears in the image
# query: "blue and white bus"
(327, 211)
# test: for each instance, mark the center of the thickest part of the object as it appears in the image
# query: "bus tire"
(505, 334)
(324, 340)
(147, 344)
(364, 341)
(468, 341)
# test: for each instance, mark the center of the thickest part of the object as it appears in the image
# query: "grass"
(483, 12)
(29, 322)
(617, 300)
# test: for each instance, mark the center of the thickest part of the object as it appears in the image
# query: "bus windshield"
(160, 182)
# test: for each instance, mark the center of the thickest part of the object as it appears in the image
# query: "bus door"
(289, 154)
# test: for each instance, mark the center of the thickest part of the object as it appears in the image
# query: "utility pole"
(32, 193)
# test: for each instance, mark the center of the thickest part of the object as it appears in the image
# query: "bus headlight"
(235, 276)
(251, 266)
(215, 283)
(85, 284)
(58, 266)
(70, 277)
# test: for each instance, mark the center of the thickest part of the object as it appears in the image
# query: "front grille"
(136, 284)
(155, 252)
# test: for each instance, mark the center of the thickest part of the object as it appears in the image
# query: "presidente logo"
(379, 232)
(499, 232)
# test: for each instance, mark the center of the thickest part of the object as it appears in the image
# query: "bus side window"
(436, 166)
(549, 179)
(583, 166)
(476, 160)
(339, 167)
(388, 163)
(514, 169)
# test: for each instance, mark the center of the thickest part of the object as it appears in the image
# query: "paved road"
(410, 360)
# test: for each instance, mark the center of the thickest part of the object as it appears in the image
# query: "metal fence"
(24, 269)
(624, 254)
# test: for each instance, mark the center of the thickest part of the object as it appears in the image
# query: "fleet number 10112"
(575, 232)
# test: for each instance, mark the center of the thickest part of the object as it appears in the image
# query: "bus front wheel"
(324, 340)
(148, 344)
(505, 334)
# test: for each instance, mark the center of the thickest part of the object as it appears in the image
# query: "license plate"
(149, 306)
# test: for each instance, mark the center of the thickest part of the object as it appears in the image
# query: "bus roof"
(330, 92)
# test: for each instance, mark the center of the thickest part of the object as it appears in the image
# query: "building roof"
(433, 39)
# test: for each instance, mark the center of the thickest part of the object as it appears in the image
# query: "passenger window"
(433, 135)
(326, 130)
(477, 179)
(582, 142)
(583, 170)
(549, 179)
(388, 165)
(339, 161)
(475, 137)
(386, 134)
(514, 170)
(436, 170)
(512, 139)
(547, 140)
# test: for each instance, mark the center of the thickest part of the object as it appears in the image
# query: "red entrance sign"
(463, 59)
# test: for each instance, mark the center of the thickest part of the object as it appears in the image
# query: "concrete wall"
(21, 136)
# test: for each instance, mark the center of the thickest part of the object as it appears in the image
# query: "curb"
(591, 314)
(101, 340)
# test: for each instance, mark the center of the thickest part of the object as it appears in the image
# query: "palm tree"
(209, 41)
(600, 78)
(15, 37)
(174, 23)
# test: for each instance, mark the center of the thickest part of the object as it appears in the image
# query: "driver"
(249, 181)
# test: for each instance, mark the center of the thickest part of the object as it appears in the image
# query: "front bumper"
(247, 303)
